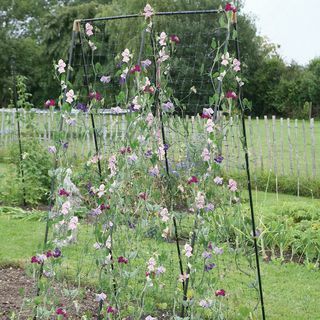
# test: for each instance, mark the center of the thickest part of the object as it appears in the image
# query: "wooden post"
(290, 146)
(305, 147)
(313, 148)
(281, 143)
(297, 155)
(259, 143)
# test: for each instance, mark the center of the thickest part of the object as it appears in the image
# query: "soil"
(16, 286)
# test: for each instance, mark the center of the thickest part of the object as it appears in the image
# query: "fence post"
(290, 146)
(313, 149)
(297, 155)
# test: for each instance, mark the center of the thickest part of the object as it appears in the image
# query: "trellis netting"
(157, 234)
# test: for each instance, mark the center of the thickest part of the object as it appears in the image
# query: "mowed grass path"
(291, 290)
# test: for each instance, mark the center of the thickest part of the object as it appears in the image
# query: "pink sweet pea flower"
(70, 96)
(231, 95)
(148, 11)
(89, 29)
(61, 312)
(193, 179)
(232, 185)
(61, 66)
(50, 103)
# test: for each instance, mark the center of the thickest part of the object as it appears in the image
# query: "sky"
(293, 24)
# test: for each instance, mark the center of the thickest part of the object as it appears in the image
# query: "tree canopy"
(35, 34)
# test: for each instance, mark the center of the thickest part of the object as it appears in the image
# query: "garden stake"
(86, 80)
(15, 100)
(245, 147)
(157, 102)
(53, 178)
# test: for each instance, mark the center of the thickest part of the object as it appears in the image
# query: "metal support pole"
(245, 146)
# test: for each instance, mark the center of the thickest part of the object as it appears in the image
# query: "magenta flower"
(175, 39)
(231, 95)
(143, 196)
(220, 293)
(95, 95)
(63, 192)
(61, 312)
(35, 259)
(50, 103)
(136, 68)
(230, 7)
(123, 260)
(111, 310)
(193, 179)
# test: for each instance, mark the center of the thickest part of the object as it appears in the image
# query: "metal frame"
(76, 31)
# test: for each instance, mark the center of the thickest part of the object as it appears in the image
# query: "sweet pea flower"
(161, 152)
(66, 206)
(101, 190)
(218, 181)
(160, 270)
(209, 207)
(232, 185)
(231, 95)
(193, 179)
(61, 66)
(73, 223)
(163, 39)
(165, 233)
(225, 59)
(163, 56)
(210, 125)
(146, 63)
(123, 76)
(52, 149)
(218, 250)
(218, 159)
(236, 65)
(209, 267)
(151, 264)
(92, 45)
(154, 171)
(148, 12)
(136, 68)
(206, 255)
(105, 79)
(164, 214)
(230, 7)
(126, 55)
(61, 312)
(240, 82)
(150, 318)
(116, 110)
(188, 250)
(136, 104)
(123, 260)
(200, 200)
(112, 166)
(205, 303)
(132, 158)
(183, 277)
(168, 106)
(174, 39)
(222, 75)
(149, 119)
(205, 154)
(70, 96)
(63, 192)
(50, 103)
(89, 29)
(112, 310)
(101, 297)
(220, 292)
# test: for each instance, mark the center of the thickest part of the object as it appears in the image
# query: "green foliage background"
(36, 33)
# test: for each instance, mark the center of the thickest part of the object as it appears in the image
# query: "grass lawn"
(291, 290)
